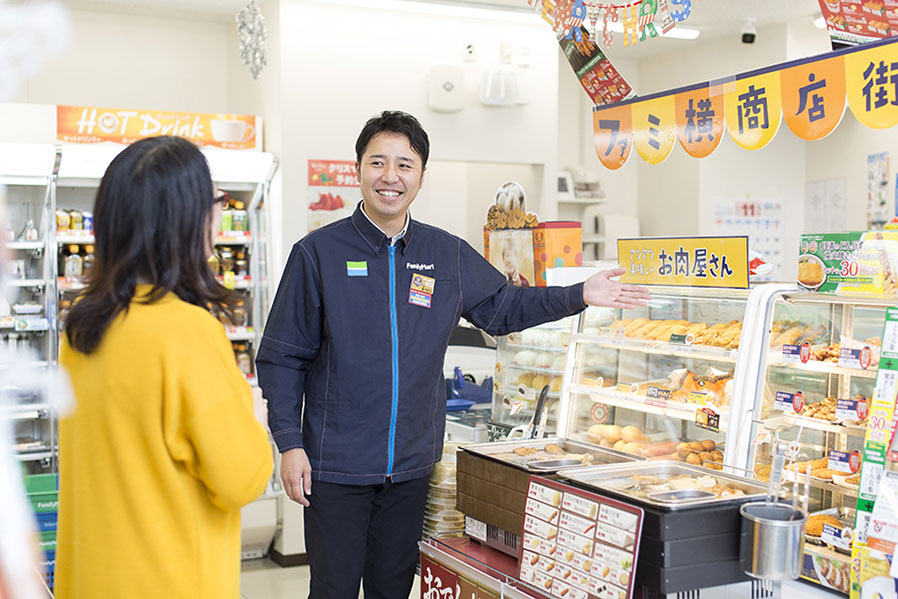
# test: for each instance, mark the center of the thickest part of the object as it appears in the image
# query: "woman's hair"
(151, 222)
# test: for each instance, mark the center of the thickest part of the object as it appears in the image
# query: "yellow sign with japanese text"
(685, 261)
(814, 97)
(654, 128)
(753, 110)
(613, 135)
(86, 125)
(699, 115)
(871, 78)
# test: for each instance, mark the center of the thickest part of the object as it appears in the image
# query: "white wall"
(123, 61)
(381, 62)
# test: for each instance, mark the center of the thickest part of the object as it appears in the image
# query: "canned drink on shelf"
(77, 220)
(227, 223)
(63, 221)
(87, 221)
(238, 220)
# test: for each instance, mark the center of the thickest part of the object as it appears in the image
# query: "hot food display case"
(818, 369)
(658, 382)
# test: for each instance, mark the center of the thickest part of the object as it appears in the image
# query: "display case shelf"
(46, 454)
(26, 282)
(70, 239)
(25, 245)
(776, 361)
(234, 239)
(536, 348)
(698, 352)
(537, 369)
(775, 422)
(241, 335)
(822, 485)
(661, 407)
(26, 412)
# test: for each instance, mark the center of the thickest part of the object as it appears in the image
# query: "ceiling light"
(683, 33)
(820, 23)
(438, 8)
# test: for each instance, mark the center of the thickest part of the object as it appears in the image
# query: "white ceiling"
(714, 18)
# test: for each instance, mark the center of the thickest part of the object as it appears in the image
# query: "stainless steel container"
(642, 482)
(772, 540)
(535, 456)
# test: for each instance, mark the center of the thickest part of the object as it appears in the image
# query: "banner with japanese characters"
(753, 108)
(814, 97)
(685, 261)
(699, 115)
(613, 136)
(654, 129)
(871, 77)
(333, 191)
(810, 95)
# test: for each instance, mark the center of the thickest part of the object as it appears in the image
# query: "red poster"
(333, 191)
(603, 82)
(860, 21)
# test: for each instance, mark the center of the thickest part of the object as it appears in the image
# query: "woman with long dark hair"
(161, 450)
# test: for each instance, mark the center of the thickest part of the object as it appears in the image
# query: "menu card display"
(576, 544)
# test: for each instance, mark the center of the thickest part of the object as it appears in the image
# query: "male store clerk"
(351, 362)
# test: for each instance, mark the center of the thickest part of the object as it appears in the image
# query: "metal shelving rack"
(28, 173)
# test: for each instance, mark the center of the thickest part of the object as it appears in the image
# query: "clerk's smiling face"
(390, 175)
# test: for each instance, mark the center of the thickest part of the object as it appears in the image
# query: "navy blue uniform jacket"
(351, 361)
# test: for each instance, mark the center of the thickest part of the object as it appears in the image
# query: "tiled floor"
(263, 579)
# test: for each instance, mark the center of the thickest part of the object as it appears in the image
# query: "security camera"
(749, 32)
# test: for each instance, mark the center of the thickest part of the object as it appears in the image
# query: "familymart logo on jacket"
(410, 266)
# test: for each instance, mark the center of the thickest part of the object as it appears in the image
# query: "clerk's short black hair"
(394, 121)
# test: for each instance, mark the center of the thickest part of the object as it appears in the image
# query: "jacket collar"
(374, 237)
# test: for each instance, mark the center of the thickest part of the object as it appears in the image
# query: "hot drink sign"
(90, 124)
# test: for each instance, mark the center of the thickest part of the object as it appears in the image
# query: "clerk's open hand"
(601, 290)
(296, 474)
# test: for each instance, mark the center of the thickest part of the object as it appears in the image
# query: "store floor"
(263, 579)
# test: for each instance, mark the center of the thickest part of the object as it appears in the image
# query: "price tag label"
(851, 409)
(855, 358)
(658, 393)
(697, 397)
(886, 384)
(790, 403)
(844, 461)
(796, 354)
(707, 419)
(682, 339)
(525, 392)
(840, 537)
(475, 529)
(599, 413)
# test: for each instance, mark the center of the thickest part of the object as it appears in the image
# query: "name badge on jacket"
(420, 292)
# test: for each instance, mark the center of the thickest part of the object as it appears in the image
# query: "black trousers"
(367, 533)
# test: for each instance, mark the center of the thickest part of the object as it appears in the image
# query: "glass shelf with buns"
(657, 381)
(818, 370)
(526, 362)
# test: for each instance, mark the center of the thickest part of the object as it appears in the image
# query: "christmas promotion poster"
(333, 191)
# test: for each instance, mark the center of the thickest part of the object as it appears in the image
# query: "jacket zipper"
(395, 352)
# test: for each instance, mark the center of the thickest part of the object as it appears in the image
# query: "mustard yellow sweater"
(156, 460)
